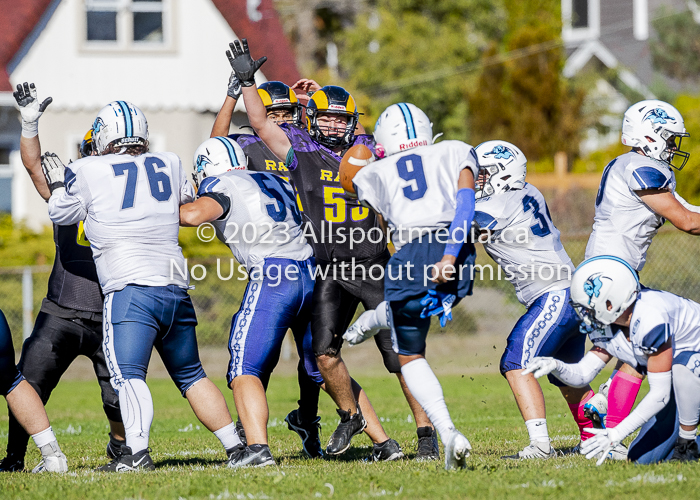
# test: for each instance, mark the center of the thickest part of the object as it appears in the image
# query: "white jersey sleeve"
(263, 220)
(522, 239)
(624, 226)
(186, 190)
(68, 206)
(416, 191)
(687, 205)
(132, 217)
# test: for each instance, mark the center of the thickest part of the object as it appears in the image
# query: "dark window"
(4, 156)
(148, 26)
(101, 25)
(579, 13)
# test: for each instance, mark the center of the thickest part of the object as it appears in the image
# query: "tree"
(409, 50)
(676, 51)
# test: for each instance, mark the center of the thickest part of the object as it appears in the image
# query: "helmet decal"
(128, 124)
(231, 152)
(410, 127)
(202, 161)
(501, 152)
(657, 115)
(97, 125)
(592, 287)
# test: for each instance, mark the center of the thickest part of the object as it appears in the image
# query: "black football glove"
(54, 171)
(241, 62)
(234, 86)
(29, 108)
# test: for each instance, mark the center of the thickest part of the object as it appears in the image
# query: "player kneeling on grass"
(255, 213)
(517, 232)
(27, 407)
(130, 201)
(427, 190)
(654, 331)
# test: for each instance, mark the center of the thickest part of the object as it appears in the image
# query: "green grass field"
(189, 459)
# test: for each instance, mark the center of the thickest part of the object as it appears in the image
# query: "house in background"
(615, 35)
(165, 56)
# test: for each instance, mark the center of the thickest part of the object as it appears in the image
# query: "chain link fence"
(671, 265)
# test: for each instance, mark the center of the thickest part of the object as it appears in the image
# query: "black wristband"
(55, 185)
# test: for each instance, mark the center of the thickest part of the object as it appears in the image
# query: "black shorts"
(54, 344)
(335, 301)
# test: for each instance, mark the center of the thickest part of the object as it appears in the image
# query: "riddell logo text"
(413, 144)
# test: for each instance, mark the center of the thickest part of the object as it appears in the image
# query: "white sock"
(228, 436)
(688, 434)
(537, 429)
(137, 413)
(44, 437)
(424, 386)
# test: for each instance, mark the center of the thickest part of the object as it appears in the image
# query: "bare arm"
(204, 209)
(270, 133)
(223, 118)
(30, 151)
(687, 205)
(666, 205)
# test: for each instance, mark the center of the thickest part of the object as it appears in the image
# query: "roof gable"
(22, 20)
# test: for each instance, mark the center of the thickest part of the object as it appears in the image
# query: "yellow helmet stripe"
(321, 100)
(265, 96)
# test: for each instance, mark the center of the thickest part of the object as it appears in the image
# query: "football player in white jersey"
(129, 200)
(657, 332)
(256, 215)
(518, 233)
(637, 195)
(425, 192)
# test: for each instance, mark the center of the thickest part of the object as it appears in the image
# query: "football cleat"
(596, 409)
(12, 463)
(114, 447)
(349, 426)
(686, 450)
(52, 459)
(308, 432)
(387, 451)
(537, 449)
(241, 432)
(428, 447)
(255, 455)
(129, 462)
(456, 451)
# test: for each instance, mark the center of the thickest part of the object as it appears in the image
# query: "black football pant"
(335, 301)
(46, 355)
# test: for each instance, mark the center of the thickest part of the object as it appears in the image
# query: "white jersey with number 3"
(131, 209)
(263, 219)
(416, 191)
(523, 240)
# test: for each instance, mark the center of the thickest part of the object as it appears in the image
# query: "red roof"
(266, 37)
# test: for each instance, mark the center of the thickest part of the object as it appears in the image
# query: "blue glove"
(438, 304)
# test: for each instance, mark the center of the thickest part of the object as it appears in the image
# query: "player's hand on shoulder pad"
(54, 170)
(30, 108)
(603, 441)
(540, 366)
(242, 63)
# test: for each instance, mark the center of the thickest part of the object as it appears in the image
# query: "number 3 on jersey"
(158, 181)
(541, 228)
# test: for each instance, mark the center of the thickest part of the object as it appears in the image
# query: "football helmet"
(121, 123)
(401, 127)
(657, 128)
(502, 167)
(602, 288)
(331, 100)
(216, 156)
(277, 95)
(87, 148)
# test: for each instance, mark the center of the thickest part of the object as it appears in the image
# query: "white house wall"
(191, 74)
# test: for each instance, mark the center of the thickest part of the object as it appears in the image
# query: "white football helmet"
(119, 121)
(216, 156)
(401, 127)
(502, 167)
(602, 288)
(657, 129)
